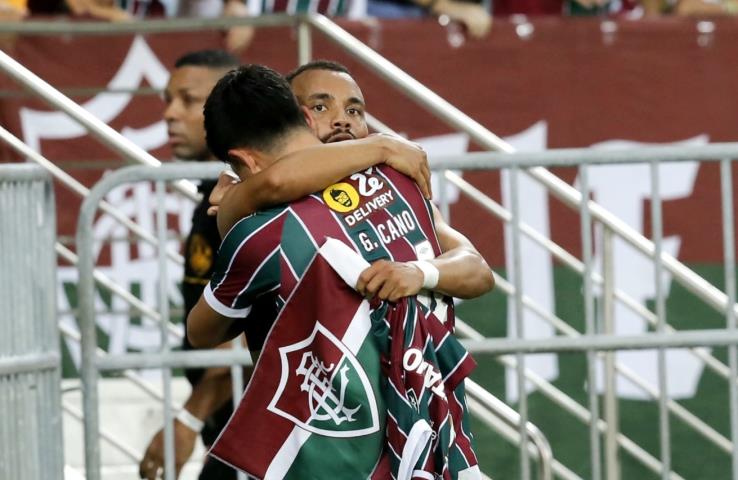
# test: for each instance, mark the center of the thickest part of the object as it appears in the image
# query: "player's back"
(378, 212)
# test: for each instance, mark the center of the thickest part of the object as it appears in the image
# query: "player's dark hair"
(317, 65)
(215, 59)
(251, 106)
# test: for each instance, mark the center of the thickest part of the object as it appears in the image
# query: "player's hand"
(152, 464)
(408, 158)
(226, 180)
(390, 280)
(473, 16)
(237, 39)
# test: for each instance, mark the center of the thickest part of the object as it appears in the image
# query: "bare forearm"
(299, 174)
(210, 393)
(463, 273)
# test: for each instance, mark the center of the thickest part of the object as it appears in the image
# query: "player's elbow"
(195, 336)
(476, 284)
(488, 280)
(198, 333)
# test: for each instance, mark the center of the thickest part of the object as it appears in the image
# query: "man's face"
(335, 103)
(185, 96)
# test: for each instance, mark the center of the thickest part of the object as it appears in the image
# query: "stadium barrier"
(30, 361)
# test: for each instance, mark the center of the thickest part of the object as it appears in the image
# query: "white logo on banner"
(623, 190)
(138, 272)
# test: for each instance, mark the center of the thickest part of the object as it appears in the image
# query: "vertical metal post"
(610, 403)
(589, 315)
(88, 343)
(161, 233)
(726, 184)
(304, 43)
(519, 330)
(657, 228)
(49, 409)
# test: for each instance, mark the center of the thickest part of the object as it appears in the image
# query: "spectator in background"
(473, 16)
(237, 38)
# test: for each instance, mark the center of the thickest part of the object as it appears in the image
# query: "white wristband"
(430, 273)
(190, 421)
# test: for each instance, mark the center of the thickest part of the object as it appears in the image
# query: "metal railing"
(30, 360)
(590, 342)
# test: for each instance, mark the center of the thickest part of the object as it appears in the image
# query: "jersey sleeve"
(248, 264)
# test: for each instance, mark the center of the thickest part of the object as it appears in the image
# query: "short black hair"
(318, 65)
(215, 59)
(251, 106)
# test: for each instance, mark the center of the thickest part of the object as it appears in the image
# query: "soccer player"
(333, 100)
(251, 121)
(209, 407)
(250, 126)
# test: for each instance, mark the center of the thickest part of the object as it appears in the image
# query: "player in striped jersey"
(330, 96)
(378, 212)
(463, 272)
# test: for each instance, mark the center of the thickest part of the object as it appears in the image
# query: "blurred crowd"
(474, 15)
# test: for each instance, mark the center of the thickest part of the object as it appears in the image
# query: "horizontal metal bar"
(584, 343)
(190, 358)
(31, 362)
(22, 172)
(567, 403)
(571, 157)
(174, 25)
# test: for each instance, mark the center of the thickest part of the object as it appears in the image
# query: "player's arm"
(207, 328)
(462, 271)
(306, 171)
(247, 267)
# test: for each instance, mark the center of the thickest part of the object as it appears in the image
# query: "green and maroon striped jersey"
(349, 389)
(379, 212)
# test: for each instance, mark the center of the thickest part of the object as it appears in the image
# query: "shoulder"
(265, 224)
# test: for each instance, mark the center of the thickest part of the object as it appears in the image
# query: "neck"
(299, 139)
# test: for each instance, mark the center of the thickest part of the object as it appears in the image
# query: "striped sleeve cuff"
(224, 310)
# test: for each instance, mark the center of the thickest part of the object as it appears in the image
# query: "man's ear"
(308, 117)
(245, 160)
